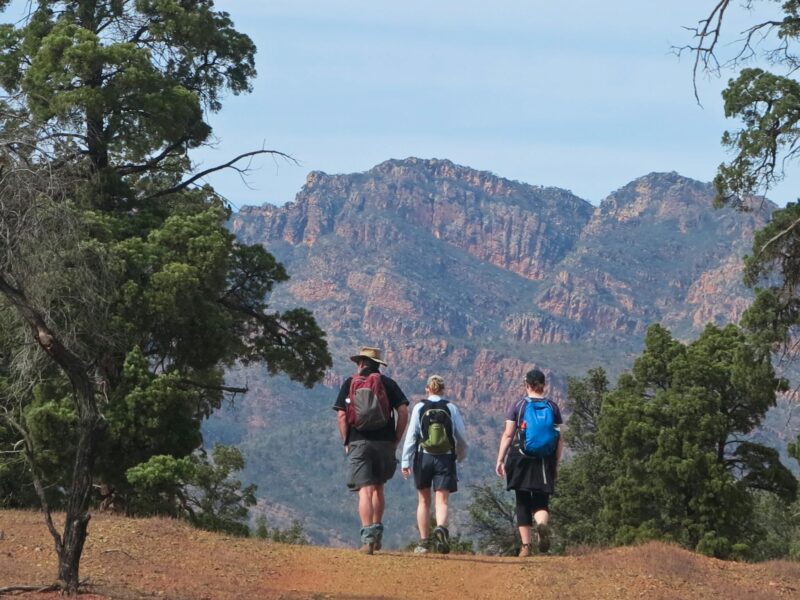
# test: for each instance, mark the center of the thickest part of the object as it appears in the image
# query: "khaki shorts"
(370, 463)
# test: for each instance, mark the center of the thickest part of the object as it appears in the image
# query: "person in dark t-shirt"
(531, 477)
(371, 452)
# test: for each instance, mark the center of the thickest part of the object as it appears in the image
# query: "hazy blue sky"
(579, 94)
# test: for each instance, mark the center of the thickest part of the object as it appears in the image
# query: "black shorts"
(437, 471)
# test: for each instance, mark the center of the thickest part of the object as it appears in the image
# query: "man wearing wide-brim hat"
(373, 354)
(370, 444)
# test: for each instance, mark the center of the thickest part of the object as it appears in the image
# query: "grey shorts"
(370, 463)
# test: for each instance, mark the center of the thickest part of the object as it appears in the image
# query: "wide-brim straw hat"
(370, 353)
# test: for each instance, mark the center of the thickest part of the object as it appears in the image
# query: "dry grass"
(158, 558)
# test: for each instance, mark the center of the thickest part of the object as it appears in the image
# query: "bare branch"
(710, 27)
(130, 169)
(228, 165)
(37, 482)
(218, 388)
(777, 237)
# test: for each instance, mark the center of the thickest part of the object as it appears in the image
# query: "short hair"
(534, 378)
(436, 383)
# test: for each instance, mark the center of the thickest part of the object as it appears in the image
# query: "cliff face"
(514, 226)
(459, 270)
(656, 250)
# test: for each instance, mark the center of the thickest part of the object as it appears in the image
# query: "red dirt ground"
(160, 558)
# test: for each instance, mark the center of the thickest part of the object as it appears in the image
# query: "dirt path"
(159, 558)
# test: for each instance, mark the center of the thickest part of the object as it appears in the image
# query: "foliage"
(766, 103)
(294, 534)
(674, 432)
(195, 489)
(493, 520)
(577, 504)
(776, 531)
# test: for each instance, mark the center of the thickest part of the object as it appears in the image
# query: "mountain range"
(479, 278)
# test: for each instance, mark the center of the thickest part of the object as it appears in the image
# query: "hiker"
(434, 442)
(529, 459)
(366, 408)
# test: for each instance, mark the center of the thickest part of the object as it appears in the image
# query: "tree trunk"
(77, 517)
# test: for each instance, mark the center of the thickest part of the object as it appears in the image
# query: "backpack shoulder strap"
(424, 405)
(520, 411)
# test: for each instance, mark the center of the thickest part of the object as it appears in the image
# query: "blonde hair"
(435, 384)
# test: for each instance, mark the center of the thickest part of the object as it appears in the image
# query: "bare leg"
(365, 505)
(378, 503)
(542, 530)
(423, 512)
(442, 496)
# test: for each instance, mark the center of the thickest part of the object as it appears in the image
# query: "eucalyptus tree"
(147, 298)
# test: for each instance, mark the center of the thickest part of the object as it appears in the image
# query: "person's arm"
(560, 444)
(398, 402)
(340, 406)
(505, 443)
(459, 432)
(410, 445)
(402, 421)
(341, 421)
(559, 422)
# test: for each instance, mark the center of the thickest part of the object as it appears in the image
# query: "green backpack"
(436, 427)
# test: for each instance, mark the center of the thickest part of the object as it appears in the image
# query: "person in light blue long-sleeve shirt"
(433, 460)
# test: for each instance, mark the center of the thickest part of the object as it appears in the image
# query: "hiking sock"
(367, 539)
(368, 534)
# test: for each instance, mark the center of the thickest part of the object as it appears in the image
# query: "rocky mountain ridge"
(478, 278)
(430, 259)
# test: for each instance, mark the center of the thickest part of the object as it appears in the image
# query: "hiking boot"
(442, 537)
(378, 529)
(423, 547)
(367, 539)
(543, 535)
(367, 548)
(524, 551)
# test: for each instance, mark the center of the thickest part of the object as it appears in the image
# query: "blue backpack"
(536, 428)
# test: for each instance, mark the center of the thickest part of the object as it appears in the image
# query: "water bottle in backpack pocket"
(536, 428)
